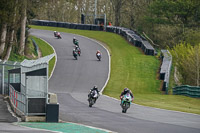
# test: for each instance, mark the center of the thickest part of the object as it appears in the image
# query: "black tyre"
(123, 111)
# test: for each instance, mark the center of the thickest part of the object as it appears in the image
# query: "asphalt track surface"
(72, 80)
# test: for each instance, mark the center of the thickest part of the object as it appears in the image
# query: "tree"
(23, 27)
(12, 31)
(117, 6)
(178, 16)
(187, 60)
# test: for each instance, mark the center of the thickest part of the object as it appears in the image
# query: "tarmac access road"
(72, 80)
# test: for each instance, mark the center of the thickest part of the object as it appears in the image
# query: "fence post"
(3, 78)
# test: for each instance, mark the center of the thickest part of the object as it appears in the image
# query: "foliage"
(173, 20)
(187, 60)
(30, 49)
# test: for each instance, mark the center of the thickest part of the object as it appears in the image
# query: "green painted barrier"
(191, 91)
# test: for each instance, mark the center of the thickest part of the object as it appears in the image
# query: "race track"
(72, 80)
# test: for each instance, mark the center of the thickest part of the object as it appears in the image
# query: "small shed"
(32, 89)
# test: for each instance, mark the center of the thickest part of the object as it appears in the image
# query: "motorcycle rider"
(74, 52)
(95, 88)
(98, 52)
(74, 39)
(55, 33)
(124, 92)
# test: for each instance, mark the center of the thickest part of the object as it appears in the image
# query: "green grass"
(131, 68)
(16, 57)
(30, 49)
(30, 52)
(45, 50)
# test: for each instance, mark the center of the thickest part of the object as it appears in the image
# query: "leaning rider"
(74, 52)
(74, 39)
(95, 88)
(126, 90)
(98, 53)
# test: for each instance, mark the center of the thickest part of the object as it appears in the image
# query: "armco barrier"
(128, 34)
(35, 46)
(186, 90)
(165, 68)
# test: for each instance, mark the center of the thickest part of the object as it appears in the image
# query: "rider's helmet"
(76, 46)
(73, 49)
(98, 51)
(54, 31)
(126, 89)
(74, 38)
(95, 87)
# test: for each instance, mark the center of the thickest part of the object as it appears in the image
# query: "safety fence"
(133, 38)
(186, 90)
(18, 99)
(128, 34)
(165, 69)
(5, 66)
(35, 46)
(26, 84)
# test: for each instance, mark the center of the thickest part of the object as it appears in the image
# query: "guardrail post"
(3, 78)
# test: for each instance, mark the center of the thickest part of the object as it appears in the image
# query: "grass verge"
(131, 68)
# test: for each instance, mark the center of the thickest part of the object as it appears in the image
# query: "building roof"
(31, 63)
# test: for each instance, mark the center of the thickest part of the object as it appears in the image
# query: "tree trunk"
(23, 31)
(3, 38)
(117, 13)
(12, 33)
(9, 49)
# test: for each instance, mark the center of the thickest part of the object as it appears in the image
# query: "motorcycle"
(75, 54)
(92, 97)
(79, 51)
(126, 102)
(98, 56)
(57, 34)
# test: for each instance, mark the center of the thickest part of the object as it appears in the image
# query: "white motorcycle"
(92, 97)
(126, 102)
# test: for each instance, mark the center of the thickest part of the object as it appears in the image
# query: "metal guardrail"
(35, 46)
(165, 69)
(186, 90)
